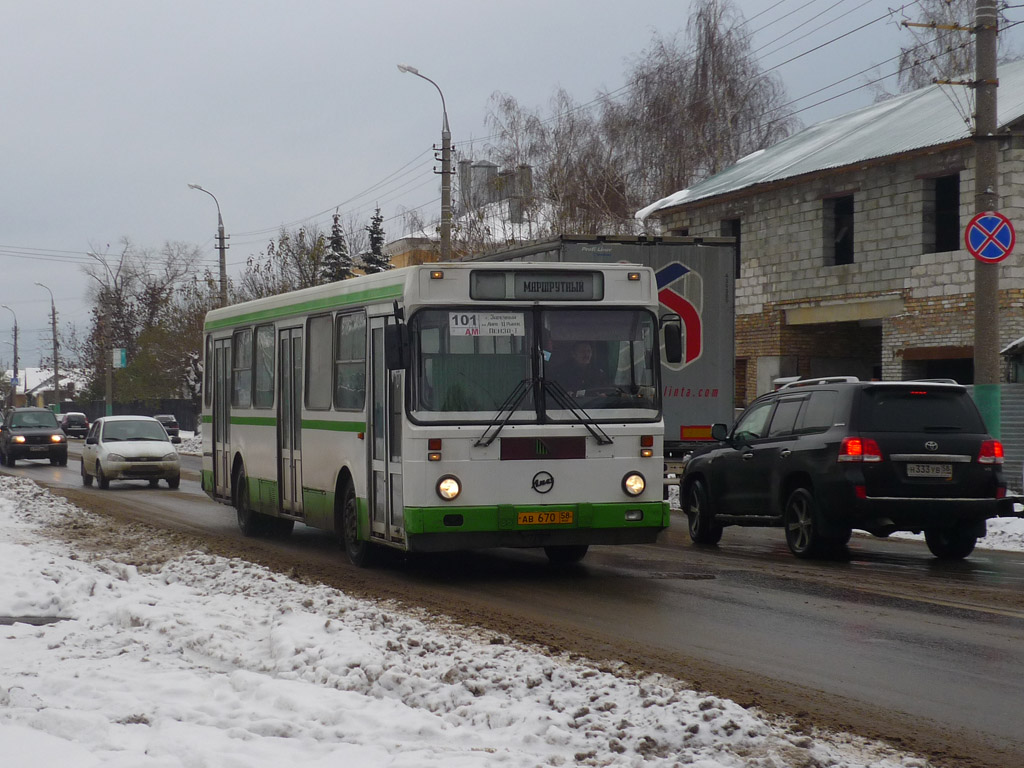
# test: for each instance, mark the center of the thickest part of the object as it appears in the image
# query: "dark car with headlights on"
(822, 457)
(32, 433)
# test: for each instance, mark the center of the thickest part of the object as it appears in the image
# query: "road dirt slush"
(444, 585)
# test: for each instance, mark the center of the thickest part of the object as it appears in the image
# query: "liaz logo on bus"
(681, 290)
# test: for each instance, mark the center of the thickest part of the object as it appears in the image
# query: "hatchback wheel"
(700, 519)
(86, 477)
(953, 543)
(101, 479)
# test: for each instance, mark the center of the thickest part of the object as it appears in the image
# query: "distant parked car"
(74, 424)
(129, 448)
(170, 424)
(820, 457)
(32, 433)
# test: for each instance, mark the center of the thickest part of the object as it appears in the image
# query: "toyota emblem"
(931, 445)
(543, 482)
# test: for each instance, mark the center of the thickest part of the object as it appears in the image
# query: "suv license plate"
(554, 517)
(941, 471)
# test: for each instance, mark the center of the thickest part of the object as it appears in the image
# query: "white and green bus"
(433, 408)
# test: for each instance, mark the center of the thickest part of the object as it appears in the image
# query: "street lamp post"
(446, 172)
(56, 375)
(222, 246)
(14, 378)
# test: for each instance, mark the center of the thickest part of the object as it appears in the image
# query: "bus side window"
(350, 362)
(263, 396)
(318, 362)
(241, 373)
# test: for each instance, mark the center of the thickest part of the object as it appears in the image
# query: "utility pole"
(986, 198)
(14, 378)
(446, 167)
(221, 246)
(56, 375)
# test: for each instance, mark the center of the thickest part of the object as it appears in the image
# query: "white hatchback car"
(129, 448)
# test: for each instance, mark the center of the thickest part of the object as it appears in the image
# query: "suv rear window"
(919, 410)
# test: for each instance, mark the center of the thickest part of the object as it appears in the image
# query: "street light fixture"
(446, 173)
(222, 246)
(56, 375)
(14, 378)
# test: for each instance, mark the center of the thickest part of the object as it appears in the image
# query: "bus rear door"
(222, 417)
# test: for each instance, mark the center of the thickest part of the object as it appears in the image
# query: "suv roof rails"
(821, 380)
(935, 381)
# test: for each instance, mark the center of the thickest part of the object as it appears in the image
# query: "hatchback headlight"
(449, 487)
(170, 457)
(633, 484)
(115, 457)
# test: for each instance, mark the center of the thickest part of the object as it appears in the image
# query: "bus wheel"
(360, 553)
(249, 522)
(566, 555)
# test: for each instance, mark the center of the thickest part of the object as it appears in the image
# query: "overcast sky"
(288, 110)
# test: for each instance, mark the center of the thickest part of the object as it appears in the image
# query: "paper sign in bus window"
(486, 324)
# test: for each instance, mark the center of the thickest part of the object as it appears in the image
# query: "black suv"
(821, 457)
(32, 433)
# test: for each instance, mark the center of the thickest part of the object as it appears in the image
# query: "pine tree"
(338, 263)
(375, 260)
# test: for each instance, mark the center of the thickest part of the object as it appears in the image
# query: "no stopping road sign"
(990, 237)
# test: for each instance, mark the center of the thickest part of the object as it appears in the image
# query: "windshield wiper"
(513, 400)
(568, 402)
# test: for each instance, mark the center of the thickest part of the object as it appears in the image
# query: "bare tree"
(938, 52)
(692, 109)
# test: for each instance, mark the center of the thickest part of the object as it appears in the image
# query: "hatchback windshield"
(34, 419)
(469, 364)
(133, 430)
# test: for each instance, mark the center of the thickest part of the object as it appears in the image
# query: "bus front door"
(222, 417)
(387, 519)
(289, 421)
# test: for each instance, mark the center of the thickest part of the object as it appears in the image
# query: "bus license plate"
(553, 517)
(942, 471)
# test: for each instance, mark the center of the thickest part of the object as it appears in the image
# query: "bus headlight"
(449, 487)
(633, 484)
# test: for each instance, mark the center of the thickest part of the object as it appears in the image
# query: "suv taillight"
(859, 449)
(991, 452)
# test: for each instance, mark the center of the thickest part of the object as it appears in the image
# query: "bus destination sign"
(559, 286)
(520, 285)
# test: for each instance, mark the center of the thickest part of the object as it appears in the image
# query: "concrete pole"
(14, 389)
(986, 198)
(56, 366)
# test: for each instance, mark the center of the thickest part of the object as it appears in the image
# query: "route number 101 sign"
(486, 324)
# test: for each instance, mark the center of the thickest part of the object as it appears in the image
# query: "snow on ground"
(197, 660)
(191, 444)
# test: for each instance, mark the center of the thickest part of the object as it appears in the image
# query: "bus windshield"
(467, 363)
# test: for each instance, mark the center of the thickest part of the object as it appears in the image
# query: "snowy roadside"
(189, 659)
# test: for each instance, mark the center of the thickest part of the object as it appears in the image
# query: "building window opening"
(731, 228)
(947, 213)
(839, 230)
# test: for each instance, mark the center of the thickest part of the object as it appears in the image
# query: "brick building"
(850, 241)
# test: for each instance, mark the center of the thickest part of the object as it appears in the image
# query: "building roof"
(924, 118)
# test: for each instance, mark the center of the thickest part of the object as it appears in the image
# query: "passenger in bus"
(581, 371)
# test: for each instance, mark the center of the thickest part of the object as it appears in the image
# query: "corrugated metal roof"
(922, 118)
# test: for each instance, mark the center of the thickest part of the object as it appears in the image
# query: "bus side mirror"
(396, 346)
(672, 326)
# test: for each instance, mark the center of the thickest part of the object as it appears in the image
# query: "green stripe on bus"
(326, 302)
(207, 419)
(504, 517)
(270, 421)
